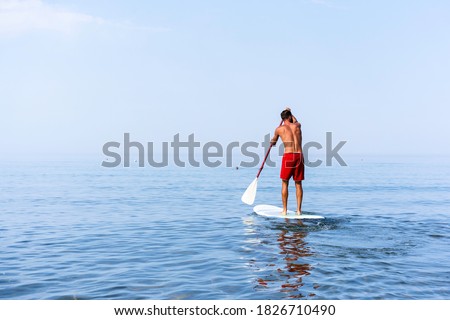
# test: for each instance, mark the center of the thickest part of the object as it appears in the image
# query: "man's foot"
(284, 212)
(299, 212)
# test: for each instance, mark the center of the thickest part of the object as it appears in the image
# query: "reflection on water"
(293, 249)
(280, 258)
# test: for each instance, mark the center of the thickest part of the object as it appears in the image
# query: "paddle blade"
(249, 195)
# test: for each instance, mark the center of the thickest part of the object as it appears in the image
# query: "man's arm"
(294, 119)
(276, 135)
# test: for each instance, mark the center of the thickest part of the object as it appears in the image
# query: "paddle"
(249, 195)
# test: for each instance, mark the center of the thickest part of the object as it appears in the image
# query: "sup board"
(267, 210)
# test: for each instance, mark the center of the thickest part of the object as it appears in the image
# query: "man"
(293, 163)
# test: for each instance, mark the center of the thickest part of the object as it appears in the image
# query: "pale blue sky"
(76, 74)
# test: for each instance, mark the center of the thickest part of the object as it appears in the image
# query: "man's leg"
(284, 195)
(299, 194)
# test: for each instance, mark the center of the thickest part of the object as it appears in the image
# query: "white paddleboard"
(267, 210)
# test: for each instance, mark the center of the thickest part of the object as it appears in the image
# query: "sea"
(73, 229)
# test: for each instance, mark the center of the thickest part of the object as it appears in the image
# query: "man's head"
(286, 115)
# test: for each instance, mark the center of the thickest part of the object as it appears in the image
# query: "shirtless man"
(293, 163)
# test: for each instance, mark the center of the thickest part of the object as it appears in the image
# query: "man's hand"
(294, 120)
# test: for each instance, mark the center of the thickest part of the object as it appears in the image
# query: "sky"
(77, 74)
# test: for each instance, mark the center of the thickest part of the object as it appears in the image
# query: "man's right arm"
(276, 135)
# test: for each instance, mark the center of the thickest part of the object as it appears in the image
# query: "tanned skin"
(290, 133)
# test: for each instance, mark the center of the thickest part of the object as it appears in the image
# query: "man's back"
(291, 135)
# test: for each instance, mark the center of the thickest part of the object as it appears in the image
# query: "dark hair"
(286, 114)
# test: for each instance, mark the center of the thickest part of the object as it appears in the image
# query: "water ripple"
(81, 232)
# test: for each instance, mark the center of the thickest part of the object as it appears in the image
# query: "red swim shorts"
(292, 165)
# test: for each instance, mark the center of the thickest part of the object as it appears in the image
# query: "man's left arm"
(294, 119)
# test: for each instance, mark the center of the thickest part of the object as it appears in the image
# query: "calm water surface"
(75, 230)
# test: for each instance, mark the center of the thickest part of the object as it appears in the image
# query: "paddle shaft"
(265, 158)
